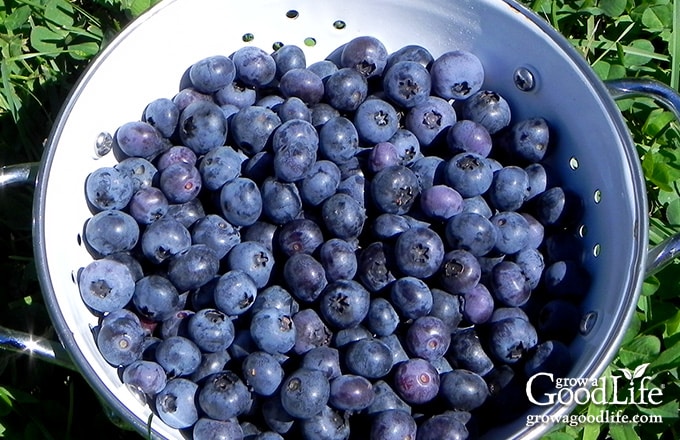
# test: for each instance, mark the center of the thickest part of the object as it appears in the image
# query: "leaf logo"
(631, 375)
(627, 373)
(640, 370)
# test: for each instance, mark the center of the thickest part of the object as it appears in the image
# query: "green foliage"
(638, 38)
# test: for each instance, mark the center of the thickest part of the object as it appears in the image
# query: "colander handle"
(18, 341)
(662, 254)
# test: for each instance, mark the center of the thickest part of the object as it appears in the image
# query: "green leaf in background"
(17, 18)
(623, 431)
(641, 349)
(673, 212)
(657, 172)
(59, 12)
(639, 52)
(667, 359)
(137, 7)
(613, 8)
(45, 40)
(667, 410)
(83, 51)
(658, 17)
(657, 121)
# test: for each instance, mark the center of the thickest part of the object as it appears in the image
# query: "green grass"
(46, 44)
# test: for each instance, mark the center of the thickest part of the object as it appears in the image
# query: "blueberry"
(338, 140)
(106, 285)
(311, 331)
(212, 73)
(211, 362)
(211, 330)
(108, 188)
(148, 205)
(277, 297)
(206, 428)
(407, 145)
(382, 319)
(512, 231)
(416, 381)
(338, 259)
(369, 358)
(467, 352)
(350, 392)
(254, 66)
(531, 263)
(287, 57)
(262, 373)
(155, 297)
(538, 179)
(302, 83)
(121, 340)
(344, 303)
(294, 108)
(218, 166)
(393, 424)
(407, 83)
(235, 292)
(305, 277)
(235, 94)
(305, 393)
(329, 424)
(175, 404)
(376, 121)
(252, 127)
(202, 126)
(216, 233)
(428, 337)
(464, 390)
(457, 74)
(488, 108)
(471, 232)
(447, 307)
(386, 399)
(186, 213)
(140, 172)
(478, 304)
(394, 189)
(162, 114)
(429, 170)
(140, 139)
(322, 113)
(300, 236)
(509, 285)
(179, 356)
(470, 136)
(180, 182)
(411, 297)
(511, 339)
(193, 267)
(273, 330)
(323, 358)
(254, 259)
(145, 376)
(345, 89)
(469, 173)
(365, 54)
(509, 188)
(442, 427)
(323, 68)
(240, 201)
(110, 232)
(440, 202)
(430, 120)
(528, 140)
(343, 216)
(281, 201)
(551, 357)
(320, 183)
(223, 395)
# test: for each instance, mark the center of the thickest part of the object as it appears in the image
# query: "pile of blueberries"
(365, 246)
